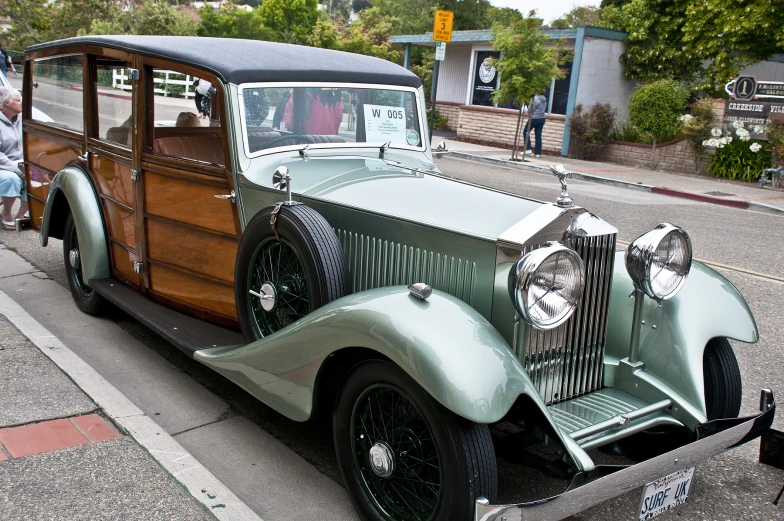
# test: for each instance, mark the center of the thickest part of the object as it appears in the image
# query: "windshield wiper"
(383, 148)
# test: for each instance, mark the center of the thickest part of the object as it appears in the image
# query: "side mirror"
(441, 147)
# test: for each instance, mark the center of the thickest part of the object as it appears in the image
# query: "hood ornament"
(564, 201)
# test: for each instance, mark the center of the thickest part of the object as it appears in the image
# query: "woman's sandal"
(9, 225)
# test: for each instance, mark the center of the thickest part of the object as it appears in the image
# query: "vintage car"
(301, 242)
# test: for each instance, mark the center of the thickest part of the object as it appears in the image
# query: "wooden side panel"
(120, 222)
(175, 285)
(48, 153)
(123, 263)
(114, 180)
(188, 202)
(45, 157)
(202, 252)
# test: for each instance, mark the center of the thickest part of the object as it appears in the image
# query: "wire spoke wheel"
(395, 455)
(279, 293)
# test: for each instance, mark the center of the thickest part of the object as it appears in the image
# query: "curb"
(660, 190)
(199, 482)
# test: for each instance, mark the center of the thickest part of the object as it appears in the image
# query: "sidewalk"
(73, 447)
(737, 194)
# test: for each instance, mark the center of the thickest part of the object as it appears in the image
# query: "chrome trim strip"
(606, 482)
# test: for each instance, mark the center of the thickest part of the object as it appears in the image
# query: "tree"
(656, 108)
(526, 66)
(613, 3)
(578, 16)
(70, 17)
(503, 15)
(233, 22)
(730, 35)
(29, 22)
(469, 14)
(293, 20)
(148, 17)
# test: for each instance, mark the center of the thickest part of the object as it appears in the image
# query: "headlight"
(547, 285)
(659, 261)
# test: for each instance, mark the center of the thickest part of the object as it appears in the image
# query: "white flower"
(737, 124)
(743, 134)
(686, 118)
(758, 129)
(706, 143)
(716, 132)
(755, 147)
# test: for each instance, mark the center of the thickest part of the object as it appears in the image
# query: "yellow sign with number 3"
(442, 26)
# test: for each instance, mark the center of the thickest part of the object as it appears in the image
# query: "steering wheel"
(299, 139)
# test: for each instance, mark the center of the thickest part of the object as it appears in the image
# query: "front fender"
(673, 336)
(443, 343)
(73, 185)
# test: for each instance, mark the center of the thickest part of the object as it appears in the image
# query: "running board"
(188, 334)
(607, 415)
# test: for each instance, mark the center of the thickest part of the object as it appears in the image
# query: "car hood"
(432, 199)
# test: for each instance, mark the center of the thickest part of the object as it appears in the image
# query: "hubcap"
(278, 291)
(382, 461)
(73, 257)
(75, 260)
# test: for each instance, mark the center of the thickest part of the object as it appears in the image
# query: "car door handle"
(232, 196)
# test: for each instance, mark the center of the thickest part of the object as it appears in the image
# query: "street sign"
(440, 51)
(442, 26)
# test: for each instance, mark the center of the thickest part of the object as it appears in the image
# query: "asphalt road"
(744, 246)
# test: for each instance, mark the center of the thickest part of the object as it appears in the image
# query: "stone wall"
(450, 110)
(673, 156)
(497, 126)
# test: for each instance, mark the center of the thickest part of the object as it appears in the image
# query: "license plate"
(665, 493)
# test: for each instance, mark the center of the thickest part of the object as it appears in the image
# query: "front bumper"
(608, 481)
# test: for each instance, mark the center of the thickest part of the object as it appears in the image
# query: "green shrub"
(775, 136)
(697, 128)
(625, 131)
(738, 156)
(592, 129)
(440, 122)
(656, 109)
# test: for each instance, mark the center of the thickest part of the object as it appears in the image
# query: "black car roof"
(243, 61)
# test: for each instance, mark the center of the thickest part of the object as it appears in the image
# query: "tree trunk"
(517, 134)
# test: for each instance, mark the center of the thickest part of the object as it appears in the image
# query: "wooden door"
(190, 236)
(111, 124)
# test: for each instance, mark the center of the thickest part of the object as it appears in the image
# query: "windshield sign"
(284, 116)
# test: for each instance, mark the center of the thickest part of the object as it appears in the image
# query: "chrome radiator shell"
(568, 361)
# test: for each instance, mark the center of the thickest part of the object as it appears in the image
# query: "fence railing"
(179, 86)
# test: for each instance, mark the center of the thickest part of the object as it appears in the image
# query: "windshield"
(284, 116)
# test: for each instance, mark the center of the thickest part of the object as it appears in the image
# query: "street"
(219, 423)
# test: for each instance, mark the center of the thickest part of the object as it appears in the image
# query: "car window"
(186, 117)
(114, 101)
(284, 116)
(58, 92)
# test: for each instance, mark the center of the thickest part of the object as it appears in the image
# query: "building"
(466, 82)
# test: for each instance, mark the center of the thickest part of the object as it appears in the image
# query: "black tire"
(316, 274)
(85, 298)
(463, 450)
(723, 389)
(722, 400)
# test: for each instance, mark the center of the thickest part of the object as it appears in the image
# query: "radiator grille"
(375, 263)
(568, 361)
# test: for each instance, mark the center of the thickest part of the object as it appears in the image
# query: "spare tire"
(280, 278)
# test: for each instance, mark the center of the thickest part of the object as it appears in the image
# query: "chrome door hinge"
(138, 267)
(134, 175)
(133, 74)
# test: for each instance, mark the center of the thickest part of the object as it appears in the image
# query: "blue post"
(573, 81)
(407, 56)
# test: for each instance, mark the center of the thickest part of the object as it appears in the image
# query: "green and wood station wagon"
(300, 241)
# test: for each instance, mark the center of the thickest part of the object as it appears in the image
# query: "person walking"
(202, 91)
(11, 182)
(5, 61)
(536, 122)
